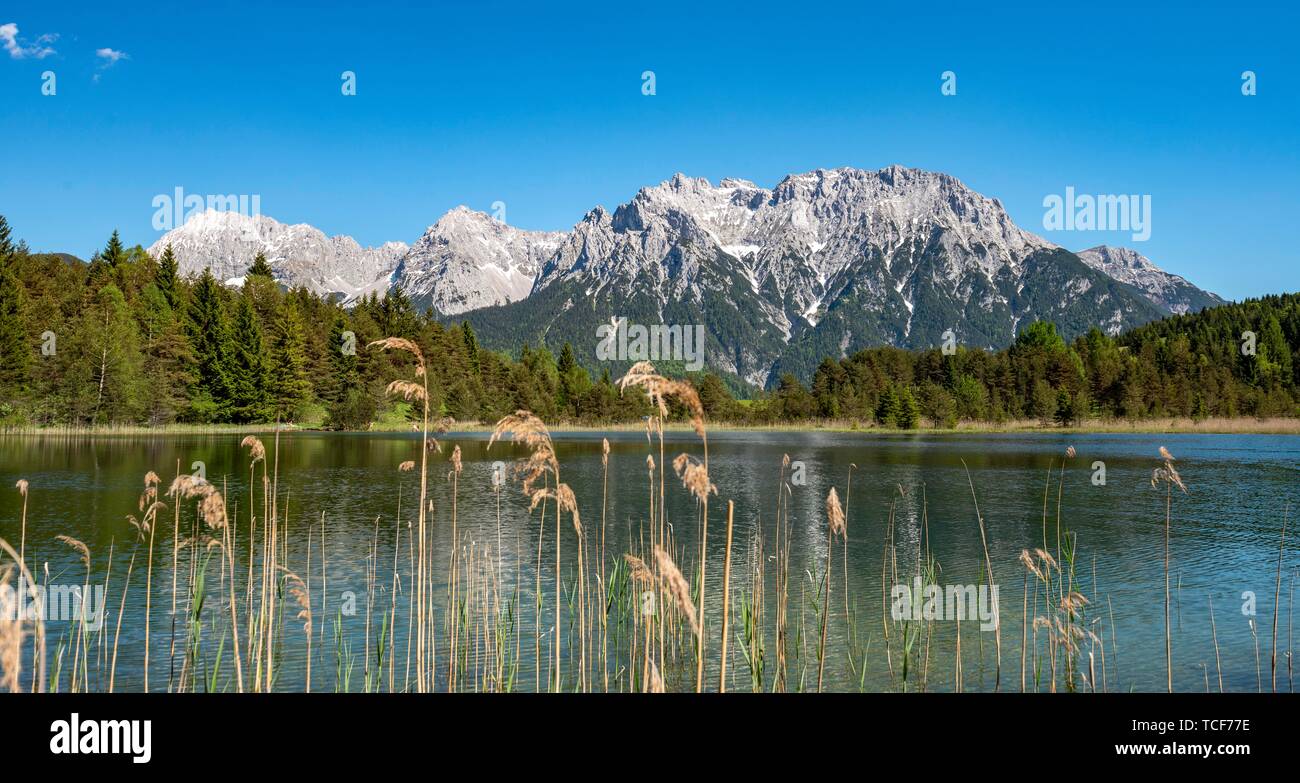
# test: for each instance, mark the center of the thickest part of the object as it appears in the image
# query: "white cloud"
(18, 49)
(110, 57)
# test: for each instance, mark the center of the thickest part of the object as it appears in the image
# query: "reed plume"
(836, 525)
(523, 427)
(301, 595)
(11, 632)
(677, 586)
(1167, 474)
(638, 571)
(80, 548)
(256, 451)
(38, 650)
(694, 476)
(21, 485)
(408, 390)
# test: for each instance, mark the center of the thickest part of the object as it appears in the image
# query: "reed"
(410, 390)
(988, 564)
(1277, 597)
(542, 465)
(835, 525)
(232, 627)
(604, 609)
(1168, 475)
(1214, 632)
(726, 600)
(12, 632)
(693, 473)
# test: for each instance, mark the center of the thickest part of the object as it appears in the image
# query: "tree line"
(126, 339)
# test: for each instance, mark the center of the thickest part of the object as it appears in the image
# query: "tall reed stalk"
(1166, 474)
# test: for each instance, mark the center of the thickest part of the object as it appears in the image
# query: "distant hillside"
(1221, 337)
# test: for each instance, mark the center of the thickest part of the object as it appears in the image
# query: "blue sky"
(472, 103)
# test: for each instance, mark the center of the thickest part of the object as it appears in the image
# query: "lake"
(347, 490)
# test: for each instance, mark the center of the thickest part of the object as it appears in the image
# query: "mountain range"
(822, 264)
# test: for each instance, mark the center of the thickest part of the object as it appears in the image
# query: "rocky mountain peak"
(299, 254)
(1169, 291)
(469, 259)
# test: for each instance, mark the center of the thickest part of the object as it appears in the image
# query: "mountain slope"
(823, 263)
(1170, 292)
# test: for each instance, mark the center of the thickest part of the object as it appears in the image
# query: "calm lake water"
(1224, 541)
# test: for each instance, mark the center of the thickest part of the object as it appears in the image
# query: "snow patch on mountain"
(299, 255)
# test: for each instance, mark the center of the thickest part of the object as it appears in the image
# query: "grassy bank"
(1240, 425)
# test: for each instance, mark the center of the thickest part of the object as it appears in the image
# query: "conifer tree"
(888, 409)
(908, 411)
(567, 361)
(114, 253)
(260, 267)
(102, 379)
(571, 377)
(249, 377)
(342, 352)
(352, 405)
(103, 267)
(289, 385)
(15, 352)
(209, 334)
(165, 279)
(396, 316)
(471, 344)
(168, 361)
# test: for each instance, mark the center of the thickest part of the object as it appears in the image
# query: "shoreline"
(1211, 426)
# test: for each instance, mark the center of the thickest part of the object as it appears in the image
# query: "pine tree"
(260, 267)
(103, 267)
(888, 409)
(289, 386)
(209, 334)
(249, 378)
(166, 278)
(342, 352)
(471, 344)
(1065, 413)
(114, 253)
(908, 412)
(168, 361)
(15, 351)
(352, 406)
(1043, 402)
(716, 400)
(396, 316)
(794, 401)
(574, 382)
(103, 381)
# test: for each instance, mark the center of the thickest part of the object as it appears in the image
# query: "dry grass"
(641, 645)
(678, 588)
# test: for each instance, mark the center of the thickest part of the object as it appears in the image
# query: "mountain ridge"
(830, 260)
(823, 263)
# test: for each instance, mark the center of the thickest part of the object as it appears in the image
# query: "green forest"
(124, 339)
